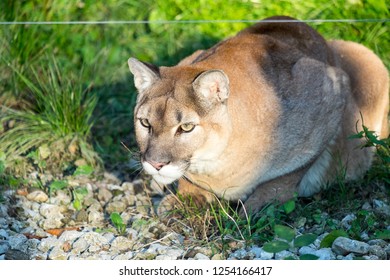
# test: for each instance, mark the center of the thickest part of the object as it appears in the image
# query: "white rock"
(3, 247)
(16, 241)
(200, 256)
(109, 236)
(306, 250)
(121, 244)
(364, 236)
(47, 243)
(3, 223)
(94, 205)
(157, 248)
(96, 241)
(3, 234)
(69, 235)
(131, 233)
(381, 207)
(130, 199)
(33, 215)
(350, 256)
(266, 256)
(38, 196)
(104, 195)
(125, 256)
(34, 207)
(378, 251)
(165, 258)
(387, 250)
(31, 247)
(319, 239)
(241, 253)
(347, 220)
(371, 257)
(51, 223)
(115, 206)
(79, 246)
(258, 251)
(95, 217)
(105, 255)
(61, 198)
(325, 254)
(175, 252)
(113, 187)
(127, 186)
(57, 254)
(16, 225)
(283, 254)
(367, 206)
(379, 242)
(50, 211)
(217, 257)
(344, 246)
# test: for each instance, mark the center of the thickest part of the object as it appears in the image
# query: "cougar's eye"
(187, 127)
(144, 123)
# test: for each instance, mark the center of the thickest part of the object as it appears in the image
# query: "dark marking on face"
(179, 116)
(160, 110)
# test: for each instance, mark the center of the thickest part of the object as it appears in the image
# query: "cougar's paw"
(167, 206)
(251, 206)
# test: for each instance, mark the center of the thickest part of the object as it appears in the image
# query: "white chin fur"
(166, 175)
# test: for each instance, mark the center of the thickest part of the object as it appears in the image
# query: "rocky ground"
(72, 224)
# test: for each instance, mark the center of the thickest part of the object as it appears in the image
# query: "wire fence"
(113, 22)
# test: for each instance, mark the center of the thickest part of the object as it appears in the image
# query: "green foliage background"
(94, 56)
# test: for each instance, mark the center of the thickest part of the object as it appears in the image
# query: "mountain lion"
(261, 115)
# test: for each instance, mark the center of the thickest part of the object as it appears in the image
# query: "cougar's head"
(181, 119)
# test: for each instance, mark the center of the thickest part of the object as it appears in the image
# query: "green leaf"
(291, 258)
(275, 246)
(116, 219)
(308, 257)
(328, 240)
(289, 206)
(83, 170)
(304, 240)
(358, 135)
(58, 185)
(284, 232)
(77, 204)
(382, 234)
(2, 167)
(80, 193)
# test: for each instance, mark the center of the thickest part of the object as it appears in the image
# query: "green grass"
(56, 127)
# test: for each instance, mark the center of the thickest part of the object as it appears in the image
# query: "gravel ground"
(36, 226)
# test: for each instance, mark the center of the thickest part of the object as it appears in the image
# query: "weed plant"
(57, 126)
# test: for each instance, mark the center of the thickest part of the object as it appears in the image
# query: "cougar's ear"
(212, 86)
(145, 74)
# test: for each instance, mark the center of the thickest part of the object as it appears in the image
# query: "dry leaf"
(32, 236)
(22, 192)
(58, 231)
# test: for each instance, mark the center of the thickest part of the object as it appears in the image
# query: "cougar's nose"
(157, 165)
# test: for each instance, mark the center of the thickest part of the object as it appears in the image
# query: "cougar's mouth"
(166, 174)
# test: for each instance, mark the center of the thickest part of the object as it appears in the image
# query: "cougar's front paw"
(251, 206)
(168, 205)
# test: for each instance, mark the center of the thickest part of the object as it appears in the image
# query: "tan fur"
(271, 111)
